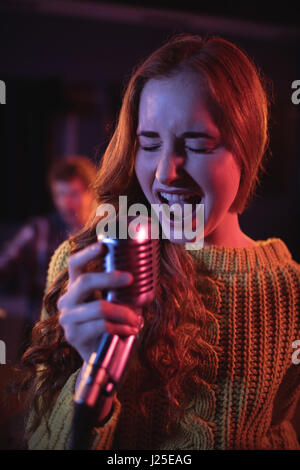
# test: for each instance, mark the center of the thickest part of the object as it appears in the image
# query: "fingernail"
(126, 277)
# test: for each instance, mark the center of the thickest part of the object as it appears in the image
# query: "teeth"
(175, 197)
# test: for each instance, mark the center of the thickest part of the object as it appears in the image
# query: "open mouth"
(181, 199)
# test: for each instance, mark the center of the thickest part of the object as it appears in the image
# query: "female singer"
(213, 367)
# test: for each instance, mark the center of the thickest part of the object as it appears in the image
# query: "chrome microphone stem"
(120, 359)
(108, 377)
(95, 378)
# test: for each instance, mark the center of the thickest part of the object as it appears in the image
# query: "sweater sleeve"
(281, 436)
(58, 262)
(54, 433)
(284, 433)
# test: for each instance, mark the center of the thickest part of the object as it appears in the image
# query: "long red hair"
(176, 347)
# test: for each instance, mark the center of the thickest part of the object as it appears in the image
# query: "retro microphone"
(139, 255)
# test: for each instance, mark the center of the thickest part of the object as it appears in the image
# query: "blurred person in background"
(25, 258)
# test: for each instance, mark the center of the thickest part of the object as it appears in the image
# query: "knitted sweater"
(253, 296)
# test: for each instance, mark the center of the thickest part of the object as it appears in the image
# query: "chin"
(178, 234)
(182, 230)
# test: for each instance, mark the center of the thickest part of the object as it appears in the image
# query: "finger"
(78, 261)
(90, 333)
(120, 329)
(116, 313)
(88, 282)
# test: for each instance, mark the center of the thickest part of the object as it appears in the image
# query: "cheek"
(145, 172)
(223, 177)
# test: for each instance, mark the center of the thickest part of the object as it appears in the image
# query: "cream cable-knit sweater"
(253, 296)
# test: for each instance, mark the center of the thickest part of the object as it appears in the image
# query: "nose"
(168, 168)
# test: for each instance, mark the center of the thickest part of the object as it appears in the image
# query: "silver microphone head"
(139, 256)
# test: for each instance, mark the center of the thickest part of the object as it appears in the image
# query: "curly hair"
(176, 346)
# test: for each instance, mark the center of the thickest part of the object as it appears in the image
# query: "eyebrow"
(186, 135)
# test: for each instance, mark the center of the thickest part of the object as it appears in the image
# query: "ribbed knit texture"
(252, 295)
(259, 317)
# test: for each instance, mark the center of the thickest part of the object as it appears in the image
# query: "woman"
(213, 367)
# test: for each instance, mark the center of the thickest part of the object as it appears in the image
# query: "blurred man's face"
(72, 200)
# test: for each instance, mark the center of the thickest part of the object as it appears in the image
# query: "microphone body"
(106, 367)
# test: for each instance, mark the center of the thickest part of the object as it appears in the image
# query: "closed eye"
(151, 148)
(202, 150)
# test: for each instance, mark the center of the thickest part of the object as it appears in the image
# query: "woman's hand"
(84, 322)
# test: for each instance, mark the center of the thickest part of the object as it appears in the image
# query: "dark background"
(65, 64)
